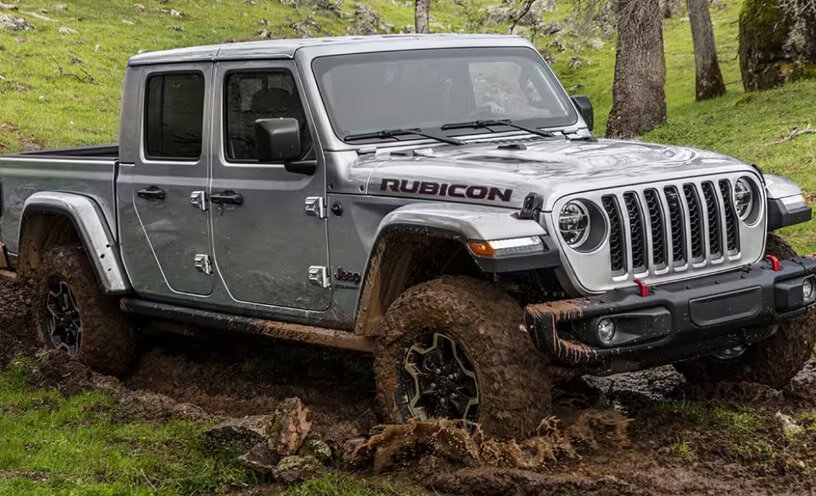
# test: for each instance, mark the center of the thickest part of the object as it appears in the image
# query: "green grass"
(74, 445)
(54, 445)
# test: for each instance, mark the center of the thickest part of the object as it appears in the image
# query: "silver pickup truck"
(438, 201)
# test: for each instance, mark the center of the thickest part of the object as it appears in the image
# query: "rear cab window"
(174, 116)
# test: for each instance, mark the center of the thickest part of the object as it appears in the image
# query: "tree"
(639, 98)
(422, 13)
(709, 77)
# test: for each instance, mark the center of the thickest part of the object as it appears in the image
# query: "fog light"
(809, 289)
(606, 330)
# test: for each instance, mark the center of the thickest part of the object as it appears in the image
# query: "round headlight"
(574, 223)
(743, 198)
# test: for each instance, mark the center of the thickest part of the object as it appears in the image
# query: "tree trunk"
(640, 70)
(422, 15)
(709, 78)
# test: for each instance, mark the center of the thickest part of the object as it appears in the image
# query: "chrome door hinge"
(198, 199)
(319, 276)
(316, 206)
(202, 264)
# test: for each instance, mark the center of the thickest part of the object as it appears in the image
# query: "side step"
(331, 338)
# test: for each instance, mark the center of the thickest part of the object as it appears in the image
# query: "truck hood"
(503, 174)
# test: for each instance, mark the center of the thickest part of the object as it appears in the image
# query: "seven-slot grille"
(669, 226)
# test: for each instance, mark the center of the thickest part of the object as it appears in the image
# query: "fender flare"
(459, 222)
(92, 229)
(467, 222)
(786, 202)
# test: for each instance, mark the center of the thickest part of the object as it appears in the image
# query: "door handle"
(152, 193)
(227, 198)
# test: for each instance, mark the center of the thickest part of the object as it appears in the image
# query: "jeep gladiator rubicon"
(436, 200)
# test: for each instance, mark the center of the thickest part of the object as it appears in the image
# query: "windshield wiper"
(487, 124)
(393, 133)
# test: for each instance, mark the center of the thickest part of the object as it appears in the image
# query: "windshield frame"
(570, 120)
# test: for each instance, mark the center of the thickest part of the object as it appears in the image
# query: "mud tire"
(772, 362)
(514, 384)
(107, 342)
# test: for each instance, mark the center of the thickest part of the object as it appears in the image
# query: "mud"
(619, 435)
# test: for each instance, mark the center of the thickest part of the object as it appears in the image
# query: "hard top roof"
(337, 45)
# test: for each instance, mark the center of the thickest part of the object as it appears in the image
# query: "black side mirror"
(584, 107)
(277, 140)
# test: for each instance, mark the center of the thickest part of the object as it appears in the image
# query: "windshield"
(426, 89)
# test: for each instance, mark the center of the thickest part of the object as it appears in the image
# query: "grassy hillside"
(61, 88)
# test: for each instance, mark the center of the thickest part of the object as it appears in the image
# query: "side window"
(174, 116)
(260, 95)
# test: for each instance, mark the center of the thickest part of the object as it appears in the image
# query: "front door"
(172, 169)
(266, 244)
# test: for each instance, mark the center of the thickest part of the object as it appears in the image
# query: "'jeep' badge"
(348, 276)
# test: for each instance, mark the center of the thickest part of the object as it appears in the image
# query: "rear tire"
(71, 313)
(492, 356)
(774, 361)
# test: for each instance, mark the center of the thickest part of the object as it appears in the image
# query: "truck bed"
(89, 171)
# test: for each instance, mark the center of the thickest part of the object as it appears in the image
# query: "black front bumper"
(675, 322)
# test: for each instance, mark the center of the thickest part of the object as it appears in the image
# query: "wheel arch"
(52, 219)
(419, 242)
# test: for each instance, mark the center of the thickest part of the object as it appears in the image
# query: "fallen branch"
(39, 16)
(86, 78)
(793, 134)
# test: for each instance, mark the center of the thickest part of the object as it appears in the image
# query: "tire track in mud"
(225, 375)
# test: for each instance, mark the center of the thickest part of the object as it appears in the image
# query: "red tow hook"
(775, 265)
(643, 289)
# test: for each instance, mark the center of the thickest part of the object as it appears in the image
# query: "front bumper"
(675, 322)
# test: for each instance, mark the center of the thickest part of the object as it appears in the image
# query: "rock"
(289, 427)
(304, 27)
(320, 4)
(127, 22)
(175, 14)
(365, 20)
(316, 448)
(175, 27)
(14, 23)
(790, 428)
(60, 7)
(776, 44)
(237, 436)
(67, 30)
(351, 451)
(140, 7)
(8, 6)
(293, 469)
(595, 43)
(260, 459)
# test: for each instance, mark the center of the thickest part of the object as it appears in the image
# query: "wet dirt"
(646, 433)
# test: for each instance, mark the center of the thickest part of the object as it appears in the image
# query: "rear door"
(171, 173)
(266, 243)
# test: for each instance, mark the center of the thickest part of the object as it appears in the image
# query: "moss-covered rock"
(776, 44)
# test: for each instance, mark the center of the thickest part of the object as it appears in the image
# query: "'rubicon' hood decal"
(487, 174)
(455, 190)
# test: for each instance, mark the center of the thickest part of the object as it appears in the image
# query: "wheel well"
(404, 259)
(42, 231)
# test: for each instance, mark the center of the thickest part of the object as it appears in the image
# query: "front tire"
(772, 362)
(453, 348)
(72, 315)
